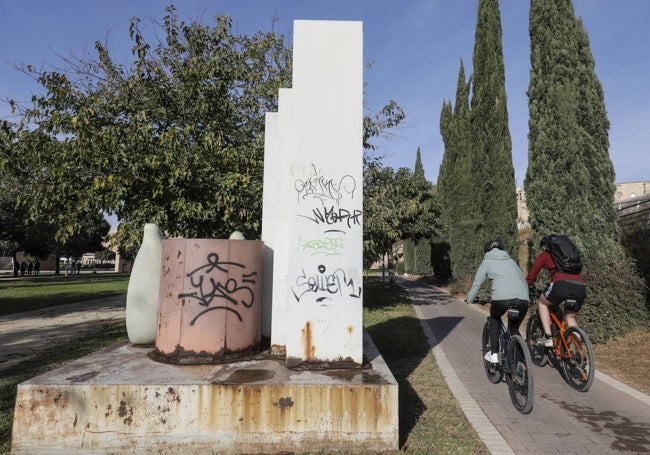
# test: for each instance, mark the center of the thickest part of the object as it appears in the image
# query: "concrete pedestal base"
(118, 400)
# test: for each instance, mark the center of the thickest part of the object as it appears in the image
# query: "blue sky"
(415, 45)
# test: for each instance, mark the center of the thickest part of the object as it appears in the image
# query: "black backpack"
(565, 254)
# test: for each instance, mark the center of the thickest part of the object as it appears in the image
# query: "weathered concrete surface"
(25, 335)
(118, 400)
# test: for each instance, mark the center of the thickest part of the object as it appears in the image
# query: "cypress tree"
(570, 178)
(557, 181)
(455, 183)
(425, 223)
(592, 118)
(493, 173)
(419, 179)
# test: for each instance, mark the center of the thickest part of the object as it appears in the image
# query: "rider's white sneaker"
(546, 342)
(491, 357)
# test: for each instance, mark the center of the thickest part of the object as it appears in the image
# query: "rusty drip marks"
(350, 329)
(296, 364)
(307, 336)
(181, 356)
(284, 402)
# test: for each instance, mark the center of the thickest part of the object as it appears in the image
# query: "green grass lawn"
(430, 419)
(33, 293)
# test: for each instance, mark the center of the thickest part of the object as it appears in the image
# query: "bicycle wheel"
(493, 371)
(535, 330)
(520, 378)
(577, 365)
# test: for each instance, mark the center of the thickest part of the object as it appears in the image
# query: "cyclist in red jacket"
(562, 286)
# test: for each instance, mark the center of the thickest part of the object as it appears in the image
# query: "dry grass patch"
(430, 419)
(627, 359)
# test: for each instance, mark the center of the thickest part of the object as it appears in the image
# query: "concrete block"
(118, 400)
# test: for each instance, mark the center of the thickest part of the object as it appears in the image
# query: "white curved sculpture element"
(236, 235)
(144, 287)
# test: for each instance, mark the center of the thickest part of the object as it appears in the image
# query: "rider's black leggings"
(496, 311)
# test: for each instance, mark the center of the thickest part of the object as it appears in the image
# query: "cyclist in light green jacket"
(508, 287)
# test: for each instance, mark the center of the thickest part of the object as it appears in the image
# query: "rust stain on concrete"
(307, 340)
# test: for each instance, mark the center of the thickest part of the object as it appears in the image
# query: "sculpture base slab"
(118, 400)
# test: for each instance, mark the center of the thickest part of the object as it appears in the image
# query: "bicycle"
(572, 352)
(514, 362)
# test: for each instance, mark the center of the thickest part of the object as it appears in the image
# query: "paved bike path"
(609, 418)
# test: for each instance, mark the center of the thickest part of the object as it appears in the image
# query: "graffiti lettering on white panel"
(322, 286)
(326, 189)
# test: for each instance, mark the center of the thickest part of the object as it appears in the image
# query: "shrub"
(616, 300)
(423, 257)
(440, 261)
(409, 256)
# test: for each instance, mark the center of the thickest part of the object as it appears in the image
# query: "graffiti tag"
(220, 282)
(325, 189)
(324, 286)
(331, 215)
(328, 246)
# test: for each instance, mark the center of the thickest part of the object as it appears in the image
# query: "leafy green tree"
(383, 209)
(18, 230)
(379, 124)
(570, 179)
(381, 212)
(493, 172)
(175, 138)
(94, 230)
(394, 209)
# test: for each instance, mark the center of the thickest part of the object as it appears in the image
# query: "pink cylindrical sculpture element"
(210, 307)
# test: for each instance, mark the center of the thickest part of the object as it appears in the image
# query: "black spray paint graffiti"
(331, 215)
(210, 286)
(327, 190)
(325, 286)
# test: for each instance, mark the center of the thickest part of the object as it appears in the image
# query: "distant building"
(628, 195)
(631, 190)
(522, 209)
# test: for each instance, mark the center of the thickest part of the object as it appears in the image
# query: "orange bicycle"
(572, 352)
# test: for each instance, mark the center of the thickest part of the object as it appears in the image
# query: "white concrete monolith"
(144, 288)
(312, 220)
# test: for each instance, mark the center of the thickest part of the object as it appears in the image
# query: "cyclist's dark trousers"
(496, 311)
